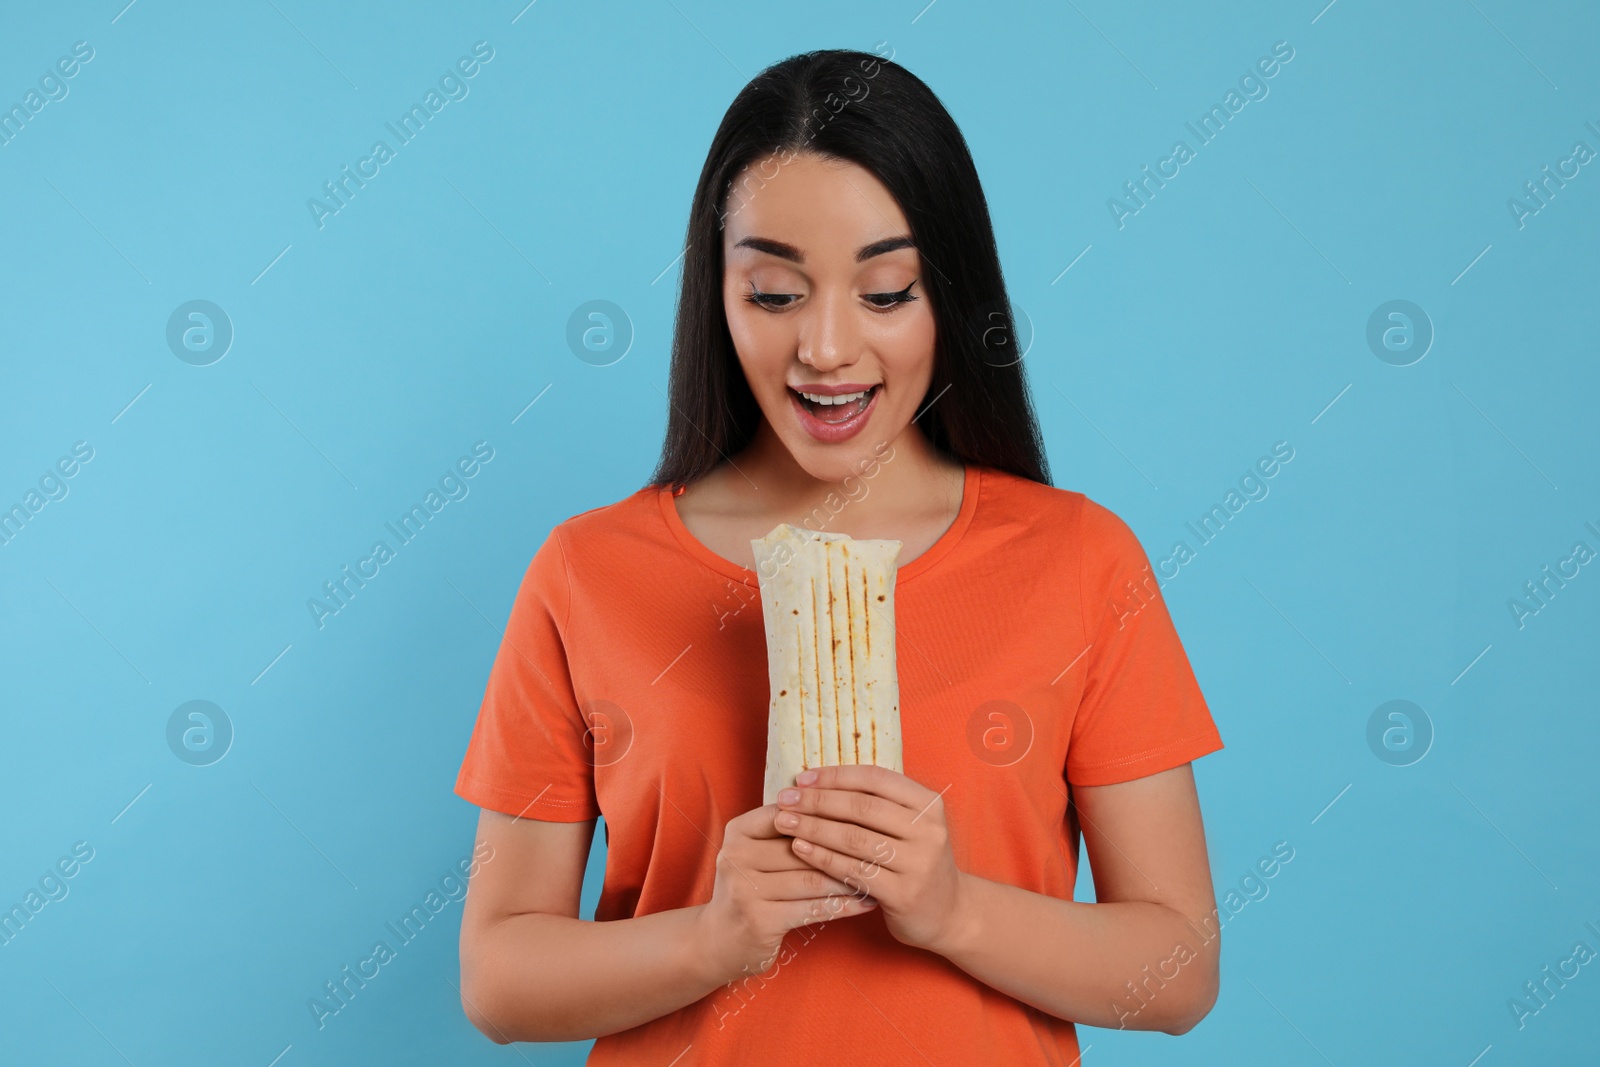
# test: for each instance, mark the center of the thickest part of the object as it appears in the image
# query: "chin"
(857, 458)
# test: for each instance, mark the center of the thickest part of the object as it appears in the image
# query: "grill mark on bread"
(805, 747)
(866, 624)
(832, 653)
(855, 708)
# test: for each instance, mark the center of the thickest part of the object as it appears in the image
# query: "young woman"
(842, 362)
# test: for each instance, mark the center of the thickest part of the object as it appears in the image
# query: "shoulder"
(609, 519)
(612, 542)
(589, 542)
(1007, 495)
(1060, 511)
(596, 529)
(1072, 525)
(1105, 532)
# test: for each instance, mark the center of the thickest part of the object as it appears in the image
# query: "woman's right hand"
(762, 891)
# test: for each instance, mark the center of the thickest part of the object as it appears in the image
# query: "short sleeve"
(527, 755)
(1142, 710)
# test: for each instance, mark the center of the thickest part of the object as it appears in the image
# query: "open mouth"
(836, 409)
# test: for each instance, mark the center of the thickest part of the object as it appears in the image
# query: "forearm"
(537, 977)
(1118, 964)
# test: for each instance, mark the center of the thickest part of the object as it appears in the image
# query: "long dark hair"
(859, 107)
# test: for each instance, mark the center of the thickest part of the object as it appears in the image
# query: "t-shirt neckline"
(971, 481)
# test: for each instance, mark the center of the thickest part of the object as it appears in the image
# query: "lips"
(831, 423)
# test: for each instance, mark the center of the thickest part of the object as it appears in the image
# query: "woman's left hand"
(886, 835)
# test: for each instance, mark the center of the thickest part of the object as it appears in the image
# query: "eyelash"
(760, 299)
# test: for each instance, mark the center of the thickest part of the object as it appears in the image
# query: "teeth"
(843, 398)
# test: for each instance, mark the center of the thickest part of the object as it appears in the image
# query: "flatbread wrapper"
(828, 604)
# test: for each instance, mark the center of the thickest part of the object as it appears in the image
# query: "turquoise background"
(370, 354)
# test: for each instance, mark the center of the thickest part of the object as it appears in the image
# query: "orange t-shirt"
(1034, 650)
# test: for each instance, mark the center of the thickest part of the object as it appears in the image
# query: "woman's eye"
(768, 300)
(889, 300)
(882, 301)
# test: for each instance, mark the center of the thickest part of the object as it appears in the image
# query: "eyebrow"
(788, 251)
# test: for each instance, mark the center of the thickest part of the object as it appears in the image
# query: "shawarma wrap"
(828, 605)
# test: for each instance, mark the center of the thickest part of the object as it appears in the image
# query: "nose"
(829, 334)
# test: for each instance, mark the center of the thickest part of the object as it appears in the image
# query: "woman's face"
(824, 293)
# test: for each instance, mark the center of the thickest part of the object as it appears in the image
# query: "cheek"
(755, 337)
(743, 326)
(907, 352)
(758, 342)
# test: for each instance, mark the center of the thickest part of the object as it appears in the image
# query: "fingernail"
(805, 777)
(789, 796)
